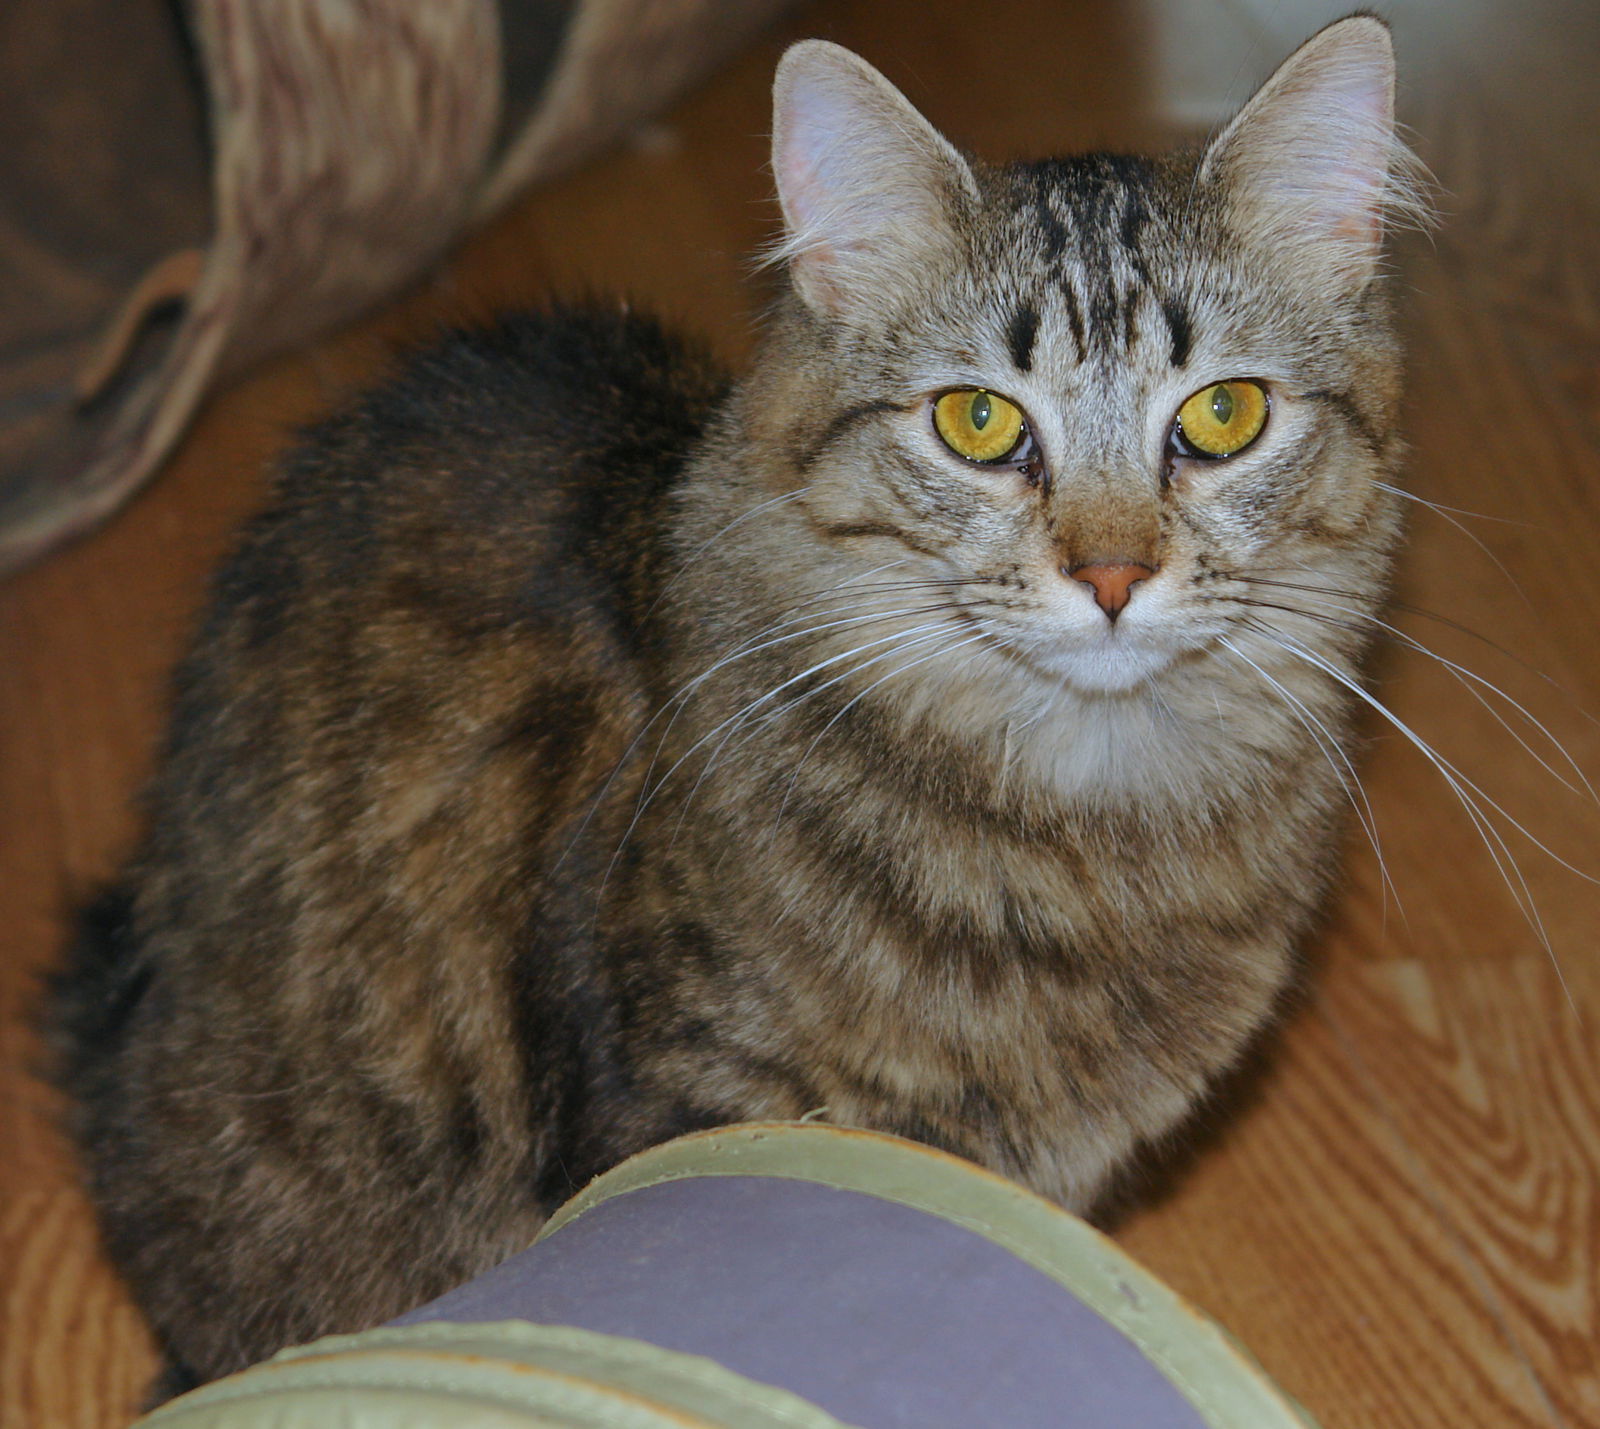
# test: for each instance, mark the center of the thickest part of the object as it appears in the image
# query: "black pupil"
(982, 410)
(1222, 404)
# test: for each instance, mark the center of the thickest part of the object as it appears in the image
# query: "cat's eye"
(1222, 419)
(980, 426)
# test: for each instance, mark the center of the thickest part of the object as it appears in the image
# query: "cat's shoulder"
(581, 383)
(501, 469)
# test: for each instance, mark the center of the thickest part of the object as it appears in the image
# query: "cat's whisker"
(1344, 594)
(1494, 842)
(758, 723)
(1311, 656)
(939, 583)
(1471, 681)
(752, 644)
(678, 700)
(1441, 508)
(1450, 514)
(711, 540)
(1474, 801)
(1474, 684)
(649, 792)
(1330, 747)
(1406, 608)
(1506, 864)
(972, 639)
(863, 578)
(803, 610)
(758, 641)
(875, 612)
(745, 648)
(976, 638)
(1317, 616)
(795, 614)
(1424, 613)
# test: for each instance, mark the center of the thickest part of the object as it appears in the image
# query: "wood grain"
(1400, 1212)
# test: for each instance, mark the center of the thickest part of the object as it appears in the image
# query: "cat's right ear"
(870, 190)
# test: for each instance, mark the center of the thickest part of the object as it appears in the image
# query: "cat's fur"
(579, 750)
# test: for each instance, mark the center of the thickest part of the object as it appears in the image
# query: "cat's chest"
(1038, 993)
(943, 961)
(1051, 1041)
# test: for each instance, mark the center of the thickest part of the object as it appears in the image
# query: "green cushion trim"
(507, 1375)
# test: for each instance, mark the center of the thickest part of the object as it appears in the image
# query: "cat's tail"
(90, 998)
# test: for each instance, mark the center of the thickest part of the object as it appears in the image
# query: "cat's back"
(421, 659)
(452, 584)
(500, 465)
(454, 570)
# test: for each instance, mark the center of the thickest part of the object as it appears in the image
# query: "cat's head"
(1098, 396)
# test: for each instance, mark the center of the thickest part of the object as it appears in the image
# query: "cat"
(581, 748)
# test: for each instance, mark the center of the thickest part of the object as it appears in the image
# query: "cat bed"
(190, 189)
(780, 1274)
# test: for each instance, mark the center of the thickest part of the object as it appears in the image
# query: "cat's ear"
(1311, 164)
(870, 190)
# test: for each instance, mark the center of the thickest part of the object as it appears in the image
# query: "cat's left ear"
(870, 190)
(1311, 164)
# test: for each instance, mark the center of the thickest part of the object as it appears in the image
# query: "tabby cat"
(581, 749)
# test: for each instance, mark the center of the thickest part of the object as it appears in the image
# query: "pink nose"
(1113, 581)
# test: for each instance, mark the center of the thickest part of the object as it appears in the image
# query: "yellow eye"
(1223, 419)
(979, 426)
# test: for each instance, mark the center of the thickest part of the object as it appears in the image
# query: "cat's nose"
(1112, 581)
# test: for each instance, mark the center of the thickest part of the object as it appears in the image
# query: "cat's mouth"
(1112, 662)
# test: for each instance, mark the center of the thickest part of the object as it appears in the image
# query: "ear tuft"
(867, 185)
(1313, 162)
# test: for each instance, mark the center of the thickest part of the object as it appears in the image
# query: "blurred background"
(1397, 1208)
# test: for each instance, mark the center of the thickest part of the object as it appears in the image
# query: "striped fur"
(579, 750)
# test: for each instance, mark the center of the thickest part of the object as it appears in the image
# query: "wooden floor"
(1401, 1214)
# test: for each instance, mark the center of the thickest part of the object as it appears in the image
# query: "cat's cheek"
(1205, 486)
(1222, 521)
(1004, 489)
(1349, 498)
(1179, 477)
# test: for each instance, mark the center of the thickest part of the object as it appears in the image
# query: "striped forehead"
(1097, 284)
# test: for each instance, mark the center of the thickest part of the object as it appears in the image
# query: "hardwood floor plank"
(1540, 607)
(78, 1355)
(1308, 1234)
(1489, 1077)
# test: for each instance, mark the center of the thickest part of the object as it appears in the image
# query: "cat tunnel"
(779, 1276)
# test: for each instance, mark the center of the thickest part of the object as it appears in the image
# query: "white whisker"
(1468, 793)
(1439, 619)
(845, 709)
(1475, 684)
(649, 792)
(1441, 509)
(681, 696)
(1330, 747)
(938, 629)
(705, 545)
